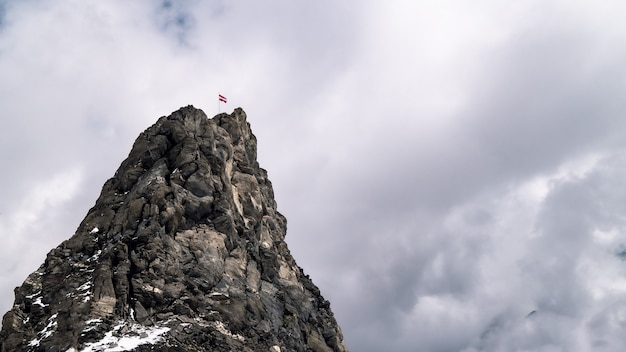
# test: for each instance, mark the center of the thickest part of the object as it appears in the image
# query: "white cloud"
(457, 165)
(43, 198)
(29, 228)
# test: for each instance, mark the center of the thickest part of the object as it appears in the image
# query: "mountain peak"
(183, 251)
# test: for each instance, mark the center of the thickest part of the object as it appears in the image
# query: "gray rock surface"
(183, 251)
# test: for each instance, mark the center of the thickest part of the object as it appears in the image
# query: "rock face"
(183, 251)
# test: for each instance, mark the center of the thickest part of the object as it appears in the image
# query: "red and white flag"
(221, 98)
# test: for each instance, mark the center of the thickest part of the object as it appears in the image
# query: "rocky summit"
(184, 250)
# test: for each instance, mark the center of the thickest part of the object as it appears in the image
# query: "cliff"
(183, 251)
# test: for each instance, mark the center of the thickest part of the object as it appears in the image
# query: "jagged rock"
(183, 251)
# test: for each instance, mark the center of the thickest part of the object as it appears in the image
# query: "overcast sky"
(452, 171)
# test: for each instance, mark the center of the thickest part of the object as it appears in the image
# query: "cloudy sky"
(452, 171)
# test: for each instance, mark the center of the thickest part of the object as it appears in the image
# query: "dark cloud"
(176, 18)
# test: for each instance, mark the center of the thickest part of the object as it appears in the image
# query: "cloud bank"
(450, 171)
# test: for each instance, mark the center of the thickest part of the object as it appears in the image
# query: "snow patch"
(93, 322)
(46, 332)
(95, 256)
(134, 335)
(39, 302)
(84, 287)
(83, 290)
(33, 295)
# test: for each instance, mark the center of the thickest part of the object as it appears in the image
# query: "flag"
(221, 98)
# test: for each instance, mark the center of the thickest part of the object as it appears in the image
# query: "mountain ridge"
(184, 248)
